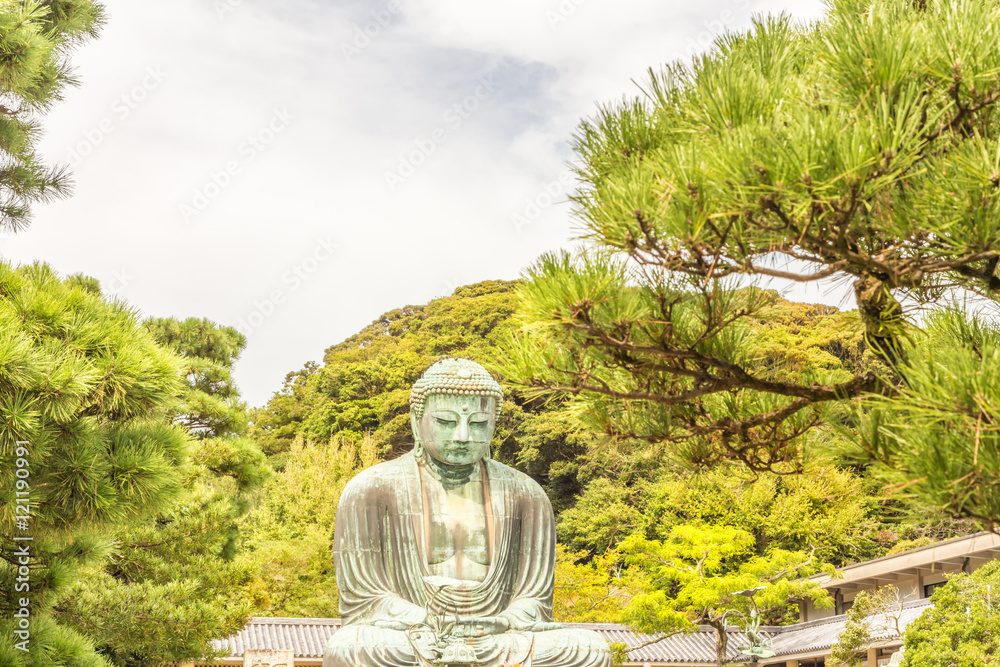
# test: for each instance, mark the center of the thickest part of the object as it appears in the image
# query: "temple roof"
(307, 637)
(820, 635)
(941, 556)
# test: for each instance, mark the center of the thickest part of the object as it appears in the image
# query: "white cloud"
(356, 115)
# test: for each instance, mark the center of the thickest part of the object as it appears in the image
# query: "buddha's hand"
(481, 626)
(545, 626)
(392, 625)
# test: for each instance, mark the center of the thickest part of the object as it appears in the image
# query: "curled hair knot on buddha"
(458, 377)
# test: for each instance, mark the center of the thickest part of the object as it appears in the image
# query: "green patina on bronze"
(455, 377)
(446, 557)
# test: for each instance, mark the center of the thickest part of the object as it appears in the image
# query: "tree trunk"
(721, 641)
(882, 316)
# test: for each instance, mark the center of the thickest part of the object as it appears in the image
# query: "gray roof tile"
(308, 637)
(822, 634)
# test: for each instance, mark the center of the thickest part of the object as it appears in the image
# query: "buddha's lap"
(568, 647)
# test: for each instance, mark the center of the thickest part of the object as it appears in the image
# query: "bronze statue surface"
(446, 557)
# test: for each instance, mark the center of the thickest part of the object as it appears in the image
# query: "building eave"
(949, 555)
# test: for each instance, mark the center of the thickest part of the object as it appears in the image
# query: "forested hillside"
(363, 383)
(332, 418)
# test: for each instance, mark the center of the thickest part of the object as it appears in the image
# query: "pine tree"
(184, 574)
(210, 405)
(864, 148)
(83, 448)
(35, 41)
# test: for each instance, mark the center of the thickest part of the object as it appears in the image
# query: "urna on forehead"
(455, 377)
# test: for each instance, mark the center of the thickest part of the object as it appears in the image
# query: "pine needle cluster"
(36, 40)
(864, 149)
(83, 389)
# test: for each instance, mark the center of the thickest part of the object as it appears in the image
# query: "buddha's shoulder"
(389, 472)
(499, 471)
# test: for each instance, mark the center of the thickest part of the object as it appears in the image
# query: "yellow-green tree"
(591, 590)
(290, 532)
(832, 510)
(701, 574)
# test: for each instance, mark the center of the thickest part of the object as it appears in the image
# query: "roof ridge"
(779, 629)
(294, 620)
(927, 547)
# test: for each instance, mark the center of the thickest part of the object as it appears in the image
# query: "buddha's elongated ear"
(418, 446)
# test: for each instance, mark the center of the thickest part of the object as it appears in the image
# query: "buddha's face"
(456, 430)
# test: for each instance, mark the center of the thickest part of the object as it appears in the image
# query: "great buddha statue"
(445, 556)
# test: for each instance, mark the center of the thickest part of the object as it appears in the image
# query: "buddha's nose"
(462, 432)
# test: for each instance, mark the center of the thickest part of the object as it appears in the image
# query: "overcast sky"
(298, 168)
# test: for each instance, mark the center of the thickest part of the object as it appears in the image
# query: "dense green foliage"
(35, 39)
(180, 579)
(81, 383)
(875, 613)
(862, 148)
(289, 534)
(962, 629)
(183, 573)
(128, 509)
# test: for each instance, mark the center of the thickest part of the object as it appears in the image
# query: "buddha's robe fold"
(380, 560)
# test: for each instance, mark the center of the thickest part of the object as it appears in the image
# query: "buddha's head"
(453, 411)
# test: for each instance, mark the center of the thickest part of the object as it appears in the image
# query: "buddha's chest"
(456, 529)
